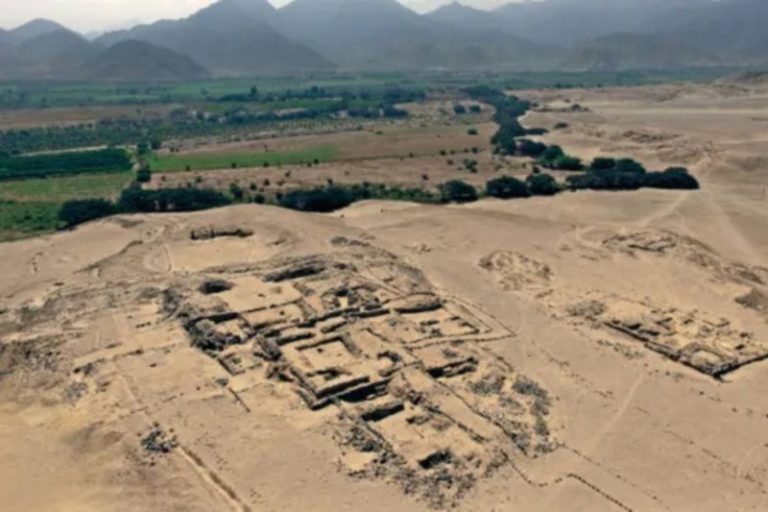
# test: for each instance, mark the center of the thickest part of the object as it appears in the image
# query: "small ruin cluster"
(708, 344)
(420, 398)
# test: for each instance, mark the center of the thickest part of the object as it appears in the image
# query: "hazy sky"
(105, 14)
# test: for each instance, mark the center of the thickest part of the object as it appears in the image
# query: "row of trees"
(672, 178)
(508, 111)
(335, 197)
(63, 164)
(390, 95)
(136, 200)
(602, 173)
(615, 174)
(180, 124)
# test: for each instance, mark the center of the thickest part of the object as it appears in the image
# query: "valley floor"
(639, 320)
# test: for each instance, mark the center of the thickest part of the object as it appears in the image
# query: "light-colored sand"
(618, 306)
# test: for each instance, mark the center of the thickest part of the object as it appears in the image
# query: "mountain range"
(246, 37)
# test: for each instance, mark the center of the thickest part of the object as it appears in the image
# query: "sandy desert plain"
(592, 351)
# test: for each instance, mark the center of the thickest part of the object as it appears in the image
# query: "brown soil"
(592, 351)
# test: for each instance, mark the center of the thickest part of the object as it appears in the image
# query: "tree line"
(63, 164)
(602, 174)
(179, 124)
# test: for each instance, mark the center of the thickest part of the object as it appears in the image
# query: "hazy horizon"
(102, 15)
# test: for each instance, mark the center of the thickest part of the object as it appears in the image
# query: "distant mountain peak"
(229, 37)
(131, 59)
(35, 28)
(457, 13)
(257, 8)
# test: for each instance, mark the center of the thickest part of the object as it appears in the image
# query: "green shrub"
(672, 178)
(506, 187)
(542, 185)
(80, 211)
(605, 181)
(627, 165)
(567, 163)
(529, 148)
(457, 191)
(603, 164)
(504, 141)
(144, 175)
(550, 155)
(236, 191)
(320, 199)
(134, 199)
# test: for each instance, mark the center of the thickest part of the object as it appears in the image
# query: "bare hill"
(228, 39)
(140, 61)
(54, 54)
(636, 51)
(386, 34)
(33, 29)
(245, 37)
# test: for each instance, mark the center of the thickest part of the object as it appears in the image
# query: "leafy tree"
(459, 109)
(567, 163)
(627, 165)
(80, 211)
(144, 175)
(134, 199)
(321, 199)
(555, 158)
(542, 185)
(603, 164)
(507, 187)
(457, 191)
(606, 181)
(551, 154)
(236, 191)
(504, 141)
(526, 147)
(672, 178)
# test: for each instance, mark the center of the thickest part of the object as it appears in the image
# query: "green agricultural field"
(30, 207)
(20, 220)
(43, 95)
(57, 190)
(64, 164)
(213, 161)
